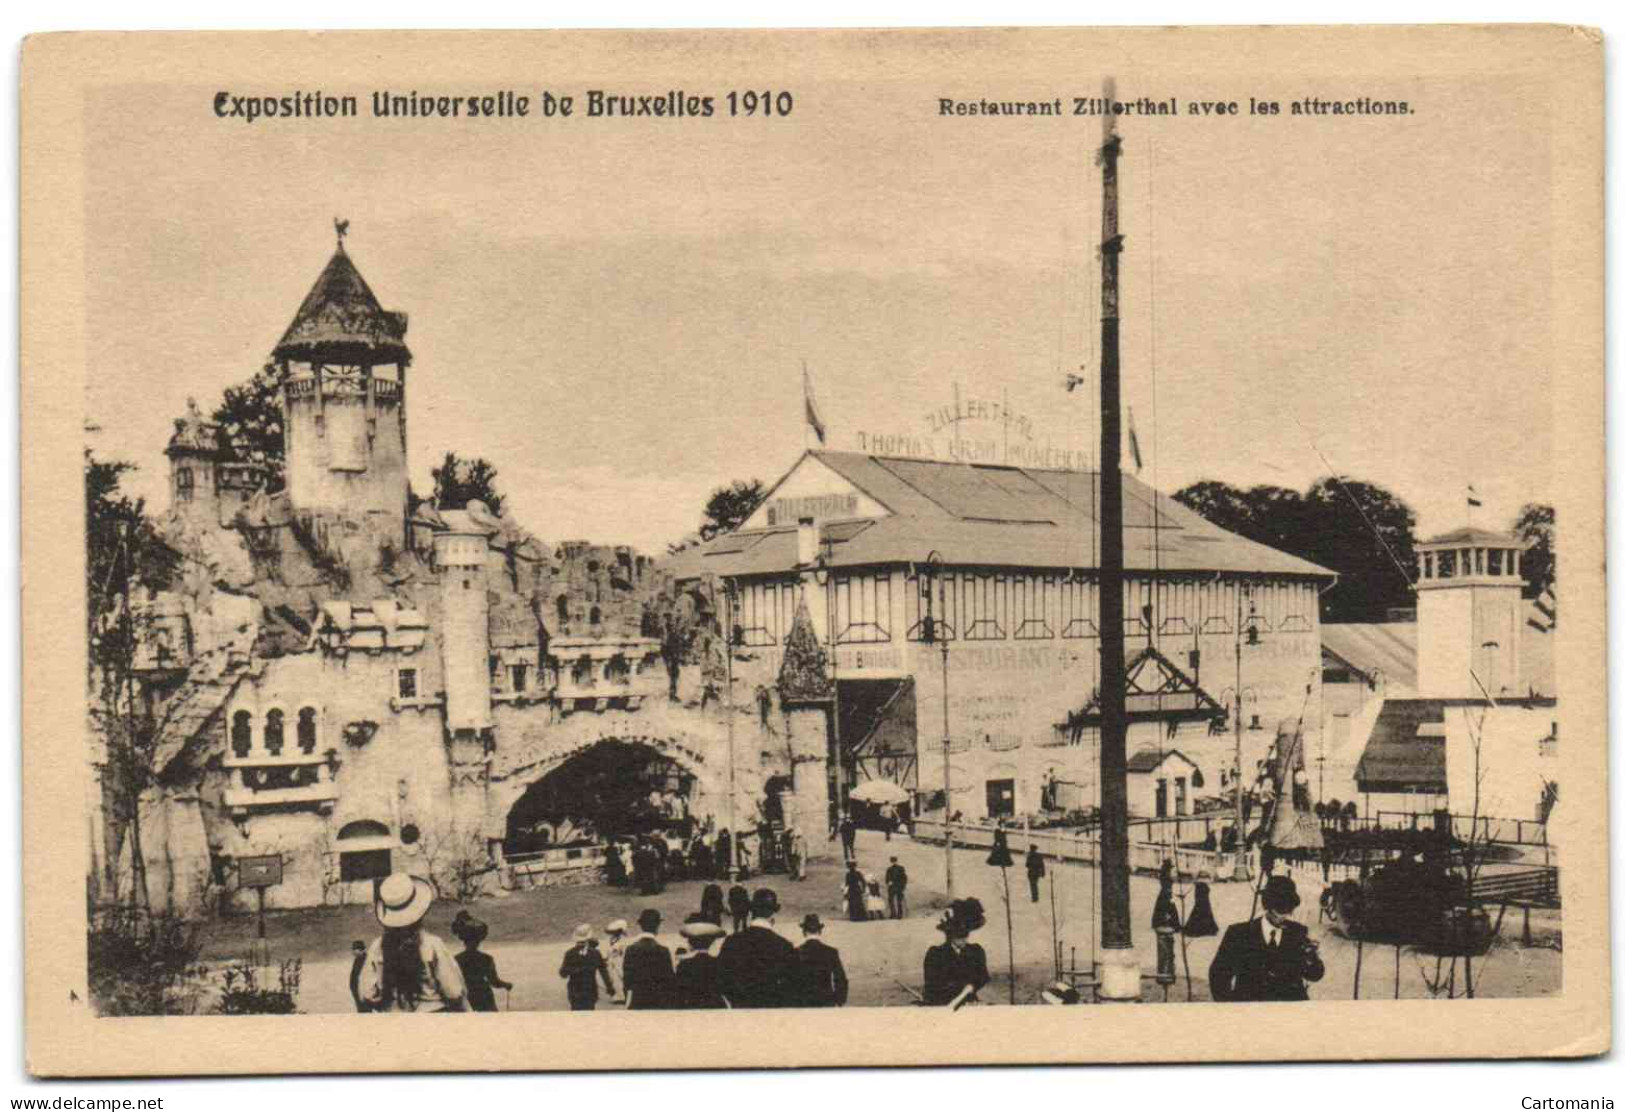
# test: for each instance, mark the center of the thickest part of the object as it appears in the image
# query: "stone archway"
(511, 780)
(608, 790)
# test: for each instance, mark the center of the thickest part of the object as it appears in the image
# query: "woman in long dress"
(615, 957)
(856, 891)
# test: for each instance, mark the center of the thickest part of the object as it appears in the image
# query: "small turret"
(461, 550)
(195, 452)
(1469, 614)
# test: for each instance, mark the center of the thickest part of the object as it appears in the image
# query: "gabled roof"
(976, 515)
(341, 322)
(1149, 760)
(1406, 750)
(1377, 650)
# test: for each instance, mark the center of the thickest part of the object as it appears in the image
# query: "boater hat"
(617, 927)
(402, 900)
(583, 932)
(701, 931)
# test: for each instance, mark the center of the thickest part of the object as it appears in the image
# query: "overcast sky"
(616, 315)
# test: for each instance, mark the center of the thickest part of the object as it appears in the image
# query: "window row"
(996, 606)
(273, 732)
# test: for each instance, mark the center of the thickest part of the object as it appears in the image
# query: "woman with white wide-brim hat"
(409, 969)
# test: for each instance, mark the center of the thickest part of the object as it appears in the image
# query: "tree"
(1357, 529)
(1367, 535)
(457, 482)
(1536, 526)
(250, 416)
(125, 557)
(729, 506)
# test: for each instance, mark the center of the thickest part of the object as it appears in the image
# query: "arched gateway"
(597, 768)
(610, 789)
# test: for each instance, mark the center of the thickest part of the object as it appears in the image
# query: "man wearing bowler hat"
(1268, 958)
(647, 974)
(823, 976)
(758, 967)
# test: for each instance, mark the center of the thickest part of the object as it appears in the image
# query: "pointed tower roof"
(340, 321)
(194, 435)
(803, 677)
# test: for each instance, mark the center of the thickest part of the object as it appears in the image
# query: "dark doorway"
(615, 789)
(1001, 798)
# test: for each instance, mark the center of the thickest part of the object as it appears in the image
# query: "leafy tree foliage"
(125, 556)
(458, 481)
(1536, 526)
(729, 506)
(1357, 529)
(123, 551)
(250, 416)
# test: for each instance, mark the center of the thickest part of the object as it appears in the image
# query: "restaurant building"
(1000, 563)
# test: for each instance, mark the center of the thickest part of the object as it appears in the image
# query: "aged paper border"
(63, 1036)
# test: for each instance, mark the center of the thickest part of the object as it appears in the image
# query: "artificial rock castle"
(354, 684)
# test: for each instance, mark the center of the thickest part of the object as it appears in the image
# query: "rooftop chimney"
(806, 543)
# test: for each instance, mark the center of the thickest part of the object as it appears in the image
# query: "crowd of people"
(753, 966)
(731, 953)
(648, 862)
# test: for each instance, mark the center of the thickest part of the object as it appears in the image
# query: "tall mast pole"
(1119, 970)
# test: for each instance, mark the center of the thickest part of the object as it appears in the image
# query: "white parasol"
(880, 791)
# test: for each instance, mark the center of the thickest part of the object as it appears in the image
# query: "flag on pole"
(1472, 496)
(813, 418)
(1133, 441)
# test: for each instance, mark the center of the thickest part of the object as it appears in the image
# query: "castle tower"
(343, 363)
(195, 451)
(1469, 614)
(460, 553)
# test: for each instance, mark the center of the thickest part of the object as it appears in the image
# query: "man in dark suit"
(1035, 869)
(849, 838)
(1268, 958)
(758, 967)
(823, 975)
(583, 967)
(646, 973)
(896, 887)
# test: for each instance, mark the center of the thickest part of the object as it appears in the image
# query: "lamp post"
(824, 575)
(1242, 870)
(730, 590)
(928, 635)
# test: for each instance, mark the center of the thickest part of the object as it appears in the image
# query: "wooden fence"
(1068, 845)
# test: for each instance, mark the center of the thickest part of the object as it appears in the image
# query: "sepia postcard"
(896, 547)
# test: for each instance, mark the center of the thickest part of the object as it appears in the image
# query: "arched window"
(563, 608)
(367, 856)
(363, 828)
(595, 616)
(273, 732)
(242, 733)
(307, 730)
